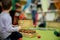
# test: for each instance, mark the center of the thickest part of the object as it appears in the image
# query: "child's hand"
(19, 27)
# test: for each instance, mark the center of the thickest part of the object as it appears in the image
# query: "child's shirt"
(6, 25)
(33, 6)
(14, 4)
(42, 20)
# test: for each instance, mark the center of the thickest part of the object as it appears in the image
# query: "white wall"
(49, 16)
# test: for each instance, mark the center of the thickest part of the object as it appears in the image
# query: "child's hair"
(0, 0)
(33, 1)
(0, 9)
(6, 4)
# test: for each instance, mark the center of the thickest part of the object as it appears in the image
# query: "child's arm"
(8, 26)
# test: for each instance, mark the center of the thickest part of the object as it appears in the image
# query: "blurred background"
(52, 13)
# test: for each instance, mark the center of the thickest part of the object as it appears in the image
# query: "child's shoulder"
(3, 15)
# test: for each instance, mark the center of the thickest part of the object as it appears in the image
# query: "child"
(13, 11)
(34, 12)
(16, 16)
(6, 29)
(43, 20)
